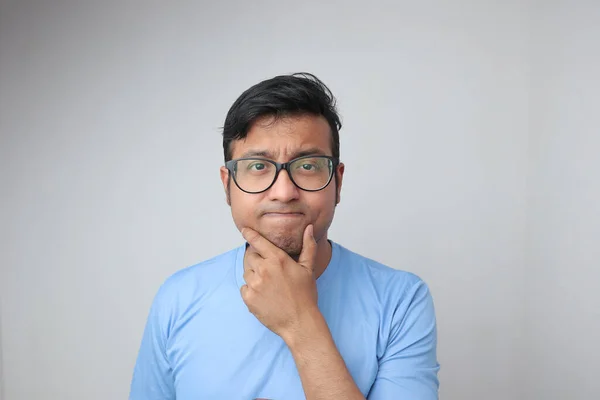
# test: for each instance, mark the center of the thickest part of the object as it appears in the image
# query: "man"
(289, 314)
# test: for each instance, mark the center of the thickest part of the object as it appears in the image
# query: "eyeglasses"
(256, 175)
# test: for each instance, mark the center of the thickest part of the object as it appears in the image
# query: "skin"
(287, 253)
(282, 140)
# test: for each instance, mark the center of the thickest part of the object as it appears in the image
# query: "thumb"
(309, 249)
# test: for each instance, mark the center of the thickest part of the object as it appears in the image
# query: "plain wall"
(110, 149)
(563, 269)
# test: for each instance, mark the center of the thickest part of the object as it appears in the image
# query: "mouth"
(282, 215)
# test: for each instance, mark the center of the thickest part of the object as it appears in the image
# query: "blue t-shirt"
(201, 342)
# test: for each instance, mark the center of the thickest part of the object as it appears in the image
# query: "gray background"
(471, 140)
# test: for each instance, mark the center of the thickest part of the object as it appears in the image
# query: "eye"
(257, 166)
(308, 167)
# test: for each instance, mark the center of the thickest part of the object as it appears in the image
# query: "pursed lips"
(282, 214)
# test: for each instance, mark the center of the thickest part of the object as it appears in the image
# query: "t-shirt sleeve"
(408, 368)
(152, 375)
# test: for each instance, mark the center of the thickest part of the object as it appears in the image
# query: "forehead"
(285, 137)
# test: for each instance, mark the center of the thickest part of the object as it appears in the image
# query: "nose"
(283, 189)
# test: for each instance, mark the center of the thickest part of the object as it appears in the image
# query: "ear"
(224, 172)
(339, 176)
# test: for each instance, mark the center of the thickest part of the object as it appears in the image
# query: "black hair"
(282, 96)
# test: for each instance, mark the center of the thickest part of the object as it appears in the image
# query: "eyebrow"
(313, 151)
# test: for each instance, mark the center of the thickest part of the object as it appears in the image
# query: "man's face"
(281, 213)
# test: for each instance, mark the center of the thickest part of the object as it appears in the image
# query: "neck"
(323, 256)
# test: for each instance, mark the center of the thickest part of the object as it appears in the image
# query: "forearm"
(321, 367)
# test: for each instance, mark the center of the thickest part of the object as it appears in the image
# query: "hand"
(279, 291)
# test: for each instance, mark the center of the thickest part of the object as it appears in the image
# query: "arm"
(282, 294)
(152, 376)
(321, 367)
(408, 368)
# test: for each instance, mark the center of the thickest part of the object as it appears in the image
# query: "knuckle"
(281, 256)
(253, 279)
(247, 293)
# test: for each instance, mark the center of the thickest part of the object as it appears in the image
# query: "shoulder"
(391, 287)
(375, 271)
(195, 281)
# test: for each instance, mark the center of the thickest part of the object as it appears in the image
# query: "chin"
(290, 243)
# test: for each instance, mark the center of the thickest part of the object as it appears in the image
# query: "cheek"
(323, 205)
(243, 207)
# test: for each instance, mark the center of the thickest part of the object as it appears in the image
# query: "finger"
(249, 277)
(244, 291)
(247, 295)
(253, 261)
(250, 250)
(261, 245)
(309, 248)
